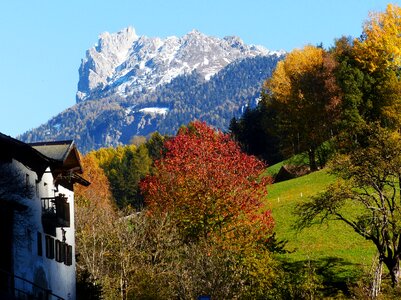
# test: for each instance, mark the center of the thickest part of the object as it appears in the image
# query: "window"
(49, 247)
(39, 242)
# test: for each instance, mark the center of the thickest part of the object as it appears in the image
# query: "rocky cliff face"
(124, 63)
(101, 61)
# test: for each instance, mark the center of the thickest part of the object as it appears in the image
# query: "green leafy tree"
(369, 72)
(125, 167)
(355, 87)
(369, 180)
(155, 146)
(255, 132)
(126, 174)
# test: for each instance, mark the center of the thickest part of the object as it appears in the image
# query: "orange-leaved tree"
(209, 187)
(98, 193)
(94, 216)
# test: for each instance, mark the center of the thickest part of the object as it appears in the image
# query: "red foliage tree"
(209, 186)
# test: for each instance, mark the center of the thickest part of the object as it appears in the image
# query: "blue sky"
(43, 41)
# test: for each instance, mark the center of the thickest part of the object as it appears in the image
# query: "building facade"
(37, 230)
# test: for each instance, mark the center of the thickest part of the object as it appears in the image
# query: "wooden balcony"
(55, 212)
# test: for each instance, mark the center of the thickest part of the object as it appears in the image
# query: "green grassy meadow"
(330, 244)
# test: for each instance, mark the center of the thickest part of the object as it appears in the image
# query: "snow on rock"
(123, 62)
(154, 110)
(147, 110)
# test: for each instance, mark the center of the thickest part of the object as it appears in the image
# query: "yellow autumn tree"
(380, 45)
(378, 53)
(304, 93)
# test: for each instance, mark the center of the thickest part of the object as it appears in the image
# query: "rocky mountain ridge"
(124, 63)
(131, 85)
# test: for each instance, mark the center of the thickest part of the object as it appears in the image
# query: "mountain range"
(134, 85)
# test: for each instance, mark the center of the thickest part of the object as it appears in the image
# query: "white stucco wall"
(48, 273)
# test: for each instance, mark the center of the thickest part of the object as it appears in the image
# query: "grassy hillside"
(298, 160)
(332, 244)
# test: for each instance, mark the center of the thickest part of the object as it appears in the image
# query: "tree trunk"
(377, 280)
(395, 273)
(312, 159)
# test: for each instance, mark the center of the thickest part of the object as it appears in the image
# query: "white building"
(37, 251)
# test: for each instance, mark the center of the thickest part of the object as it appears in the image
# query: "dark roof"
(56, 150)
(24, 153)
(68, 158)
(65, 152)
(61, 156)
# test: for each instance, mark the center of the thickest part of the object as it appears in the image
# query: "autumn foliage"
(98, 193)
(304, 93)
(209, 186)
(380, 45)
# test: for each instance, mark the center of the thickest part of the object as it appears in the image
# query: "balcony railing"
(15, 287)
(56, 211)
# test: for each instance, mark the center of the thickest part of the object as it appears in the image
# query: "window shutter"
(68, 255)
(49, 247)
(58, 247)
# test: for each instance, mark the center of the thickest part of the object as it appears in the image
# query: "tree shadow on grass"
(332, 276)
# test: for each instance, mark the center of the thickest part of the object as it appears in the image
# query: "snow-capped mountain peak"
(123, 63)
